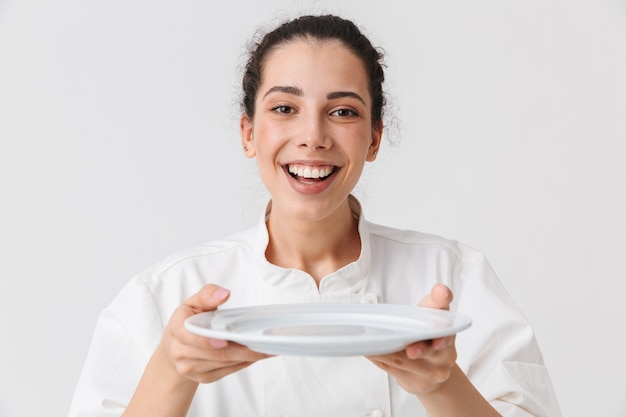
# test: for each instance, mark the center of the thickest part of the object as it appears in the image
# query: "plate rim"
(285, 344)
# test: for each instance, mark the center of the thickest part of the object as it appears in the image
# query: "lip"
(310, 186)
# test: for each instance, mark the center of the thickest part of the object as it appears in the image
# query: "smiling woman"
(312, 118)
(313, 112)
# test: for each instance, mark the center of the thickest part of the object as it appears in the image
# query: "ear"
(247, 138)
(377, 134)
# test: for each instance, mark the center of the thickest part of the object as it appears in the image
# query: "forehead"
(313, 61)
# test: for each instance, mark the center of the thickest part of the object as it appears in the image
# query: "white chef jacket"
(498, 352)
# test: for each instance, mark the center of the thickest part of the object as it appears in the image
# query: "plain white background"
(119, 146)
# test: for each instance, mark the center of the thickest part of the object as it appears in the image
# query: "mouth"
(310, 173)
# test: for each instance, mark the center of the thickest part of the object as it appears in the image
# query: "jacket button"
(377, 413)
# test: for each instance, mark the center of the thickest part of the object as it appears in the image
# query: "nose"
(315, 134)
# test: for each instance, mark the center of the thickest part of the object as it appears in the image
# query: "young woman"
(312, 117)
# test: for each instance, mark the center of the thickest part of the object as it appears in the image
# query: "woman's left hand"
(423, 366)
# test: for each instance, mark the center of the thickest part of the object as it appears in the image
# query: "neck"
(317, 247)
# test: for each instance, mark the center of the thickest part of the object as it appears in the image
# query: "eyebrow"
(339, 94)
(284, 89)
(296, 91)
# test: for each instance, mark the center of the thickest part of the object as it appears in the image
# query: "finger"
(208, 298)
(399, 374)
(214, 358)
(429, 361)
(415, 379)
(193, 367)
(179, 332)
(208, 371)
(221, 373)
(417, 350)
(234, 353)
(440, 297)
(399, 367)
(442, 342)
(217, 343)
(199, 347)
(425, 347)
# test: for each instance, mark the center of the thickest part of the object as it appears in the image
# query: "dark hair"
(325, 27)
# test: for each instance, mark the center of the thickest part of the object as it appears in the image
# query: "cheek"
(265, 134)
(270, 139)
(267, 145)
(358, 143)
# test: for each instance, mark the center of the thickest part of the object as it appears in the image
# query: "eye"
(283, 109)
(344, 113)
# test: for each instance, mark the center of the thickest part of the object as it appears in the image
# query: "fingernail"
(218, 343)
(415, 353)
(221, 294)
(441, 344)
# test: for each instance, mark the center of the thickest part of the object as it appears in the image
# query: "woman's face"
(312, 131)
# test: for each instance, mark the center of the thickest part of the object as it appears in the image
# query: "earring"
(374, 153)
(245, 149)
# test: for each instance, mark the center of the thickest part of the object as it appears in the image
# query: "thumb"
(440, 297)
(208, 298)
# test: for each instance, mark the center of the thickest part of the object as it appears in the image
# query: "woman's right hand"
(183, 360)
(199, 358)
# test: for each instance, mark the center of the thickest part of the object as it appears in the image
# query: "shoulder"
(423, 242)
(225, 249)
(224, 262)
(150, 297)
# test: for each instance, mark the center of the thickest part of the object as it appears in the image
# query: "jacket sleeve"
(499, 352)
(126, 334)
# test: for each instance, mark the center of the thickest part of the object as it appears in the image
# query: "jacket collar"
(293, 285)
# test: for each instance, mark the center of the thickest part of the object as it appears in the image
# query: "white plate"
(327, 329)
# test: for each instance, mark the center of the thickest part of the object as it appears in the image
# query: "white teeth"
(309, 172)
